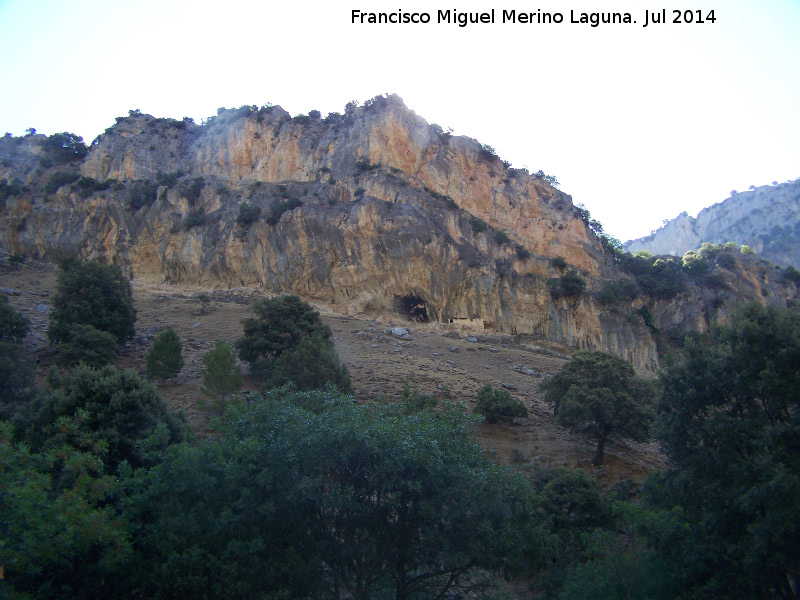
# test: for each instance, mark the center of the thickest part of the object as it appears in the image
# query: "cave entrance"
(412, 307)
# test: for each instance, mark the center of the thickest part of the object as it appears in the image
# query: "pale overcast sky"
(638, 123)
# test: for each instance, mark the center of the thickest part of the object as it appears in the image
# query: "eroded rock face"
(367, 212)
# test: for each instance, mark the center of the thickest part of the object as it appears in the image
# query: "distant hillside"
(766, 218)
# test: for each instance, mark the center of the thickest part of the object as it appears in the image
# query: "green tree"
(569, 285)
(338, 500)
(13, 326)
(221, 376)
(498, 405)
(730, 425)
(599, 394)
(165, 357)
(87, 345)
(287, 341)
(66, 147)
(16, 376)
(89, 293)
(311, 364)
(117, 407)
(59, 536)
(204, 300)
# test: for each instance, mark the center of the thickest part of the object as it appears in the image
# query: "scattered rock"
(196, 325)
(10, 292)
(44, 308)
(472, 339)
(452, 335)
(401, 333)
(509, 386)
(527, 371)
(453, 349)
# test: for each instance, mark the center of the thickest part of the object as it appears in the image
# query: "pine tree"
(164, 360)
(222, 376)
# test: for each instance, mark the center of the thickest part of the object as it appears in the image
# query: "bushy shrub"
(501, 237)
(498, 405)
(196, 218)
(13, 325)
(363, 165)
(310, 365)
(193, 190)
(478, 225)
(276, 211)
(614, 291)
(569, 285)
(89, 346)
(8, 189)
(559, 263)
(248, 215)
(60, 179)
(414, 402)
(792, 274)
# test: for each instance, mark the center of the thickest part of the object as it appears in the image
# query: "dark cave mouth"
(412, 307)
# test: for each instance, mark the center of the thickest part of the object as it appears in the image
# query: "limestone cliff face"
(766, 218)
(368, 212)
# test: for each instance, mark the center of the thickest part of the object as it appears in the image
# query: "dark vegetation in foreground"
(303, 493)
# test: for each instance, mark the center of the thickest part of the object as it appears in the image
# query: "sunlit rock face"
(370, 212)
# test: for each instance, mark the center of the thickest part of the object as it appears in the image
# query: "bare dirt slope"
(453, 369)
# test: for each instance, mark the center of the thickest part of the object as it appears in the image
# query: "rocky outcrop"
(767, 219)
(371, 211)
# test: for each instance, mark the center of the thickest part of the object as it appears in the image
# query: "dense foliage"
(287, 342)
(127, 413)
(92, 294)
(13, 326)
(306, 494)
(569, 285)
(16, 376)
(730, 424)
(341, 499)
(87, 345)
(498, 405)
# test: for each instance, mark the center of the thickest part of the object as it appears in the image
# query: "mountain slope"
(767, 219)
(367, 212)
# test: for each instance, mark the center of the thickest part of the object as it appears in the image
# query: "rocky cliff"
(767, 219)
(369, 211)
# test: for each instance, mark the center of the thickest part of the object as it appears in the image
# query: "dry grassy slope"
(378, 365)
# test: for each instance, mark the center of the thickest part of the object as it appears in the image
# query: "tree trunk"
(601, 446)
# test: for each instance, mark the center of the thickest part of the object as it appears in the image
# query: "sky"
(637, 123)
